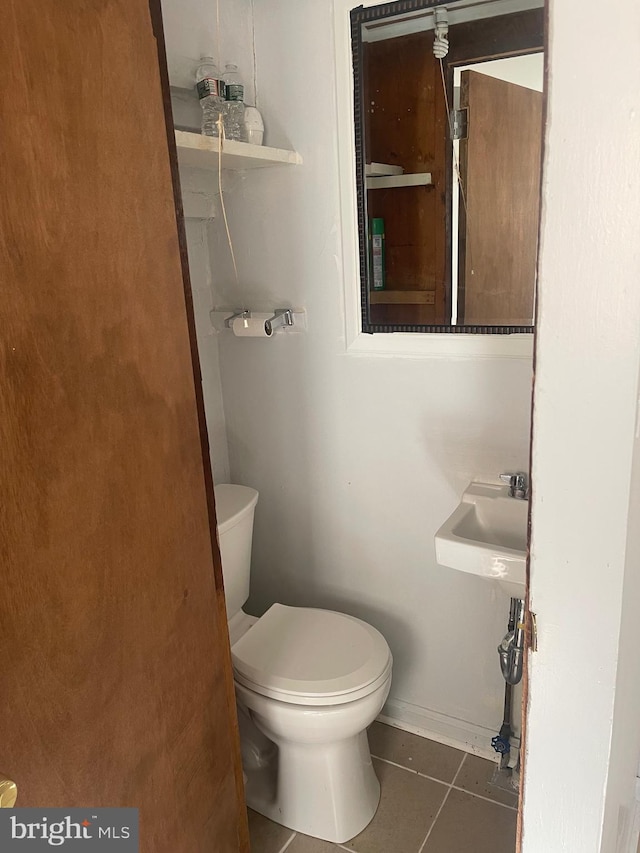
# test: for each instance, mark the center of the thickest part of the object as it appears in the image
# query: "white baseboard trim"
(450, 731)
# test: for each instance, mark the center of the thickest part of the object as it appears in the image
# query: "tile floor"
(435, 799)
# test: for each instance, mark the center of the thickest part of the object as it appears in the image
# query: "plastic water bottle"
(234, 106)
(211, 94)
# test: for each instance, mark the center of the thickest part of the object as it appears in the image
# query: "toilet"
(308, 684)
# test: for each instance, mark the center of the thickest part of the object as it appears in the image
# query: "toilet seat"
(308, 656)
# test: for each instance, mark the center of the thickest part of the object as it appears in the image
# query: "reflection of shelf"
(402, 297)
(194, 149)
(381, 169)
(419, 179)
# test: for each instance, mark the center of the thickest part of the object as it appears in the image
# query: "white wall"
(584, 716)
(622, 811)
(191, 31)
(200, 273)
(527, 71)
(358, 460)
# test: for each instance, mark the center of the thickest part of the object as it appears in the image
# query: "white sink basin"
(486, 535)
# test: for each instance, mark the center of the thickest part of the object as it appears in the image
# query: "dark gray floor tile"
(266, 836)
(407, 808)
(475, 777)
(468, 824)
(415, 753)
(304, 844)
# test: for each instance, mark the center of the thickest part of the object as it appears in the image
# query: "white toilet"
(308, 683)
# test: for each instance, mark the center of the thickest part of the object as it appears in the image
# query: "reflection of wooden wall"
(406, 126)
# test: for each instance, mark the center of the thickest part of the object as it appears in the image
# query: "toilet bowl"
(308, 683)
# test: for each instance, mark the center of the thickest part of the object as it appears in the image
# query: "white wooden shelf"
(203, 152)
(419, 179)
(379, 170)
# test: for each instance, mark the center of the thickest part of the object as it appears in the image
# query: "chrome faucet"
(518, 485)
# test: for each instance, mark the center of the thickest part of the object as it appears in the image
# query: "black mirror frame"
(359, 16)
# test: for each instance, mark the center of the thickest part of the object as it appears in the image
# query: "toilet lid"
(302, 651)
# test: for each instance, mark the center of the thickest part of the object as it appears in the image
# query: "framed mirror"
(448, 154)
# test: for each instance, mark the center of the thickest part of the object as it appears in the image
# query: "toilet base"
(308, 766)
(328, 791)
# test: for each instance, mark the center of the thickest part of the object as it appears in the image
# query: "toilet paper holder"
(282, 317)
(229, 320)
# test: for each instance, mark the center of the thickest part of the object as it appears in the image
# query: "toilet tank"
(235, 506)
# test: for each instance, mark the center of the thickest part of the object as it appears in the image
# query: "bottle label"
(377, 245)
(210, 86)
(234, 92)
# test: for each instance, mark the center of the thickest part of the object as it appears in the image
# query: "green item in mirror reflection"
(377, 253)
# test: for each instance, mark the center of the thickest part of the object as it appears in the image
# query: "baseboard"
(450, 731)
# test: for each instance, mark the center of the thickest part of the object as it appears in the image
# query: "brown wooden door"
(500, 166)
(115, 679)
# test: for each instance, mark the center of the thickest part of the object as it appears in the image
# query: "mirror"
(448, 155)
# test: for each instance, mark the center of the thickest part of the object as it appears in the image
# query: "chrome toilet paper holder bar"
(281, 317)
(229, 321)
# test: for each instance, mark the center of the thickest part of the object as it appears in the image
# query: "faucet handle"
(517, 482)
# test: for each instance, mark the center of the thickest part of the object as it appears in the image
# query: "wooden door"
(115, 680)
(500, 166)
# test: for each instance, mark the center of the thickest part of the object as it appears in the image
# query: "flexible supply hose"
(511, 652)
(511, 649)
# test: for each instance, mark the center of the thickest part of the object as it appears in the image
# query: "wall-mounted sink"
(486, 535)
